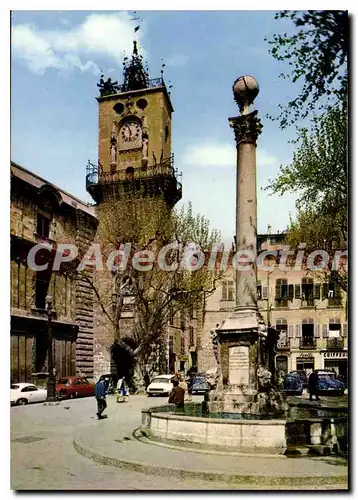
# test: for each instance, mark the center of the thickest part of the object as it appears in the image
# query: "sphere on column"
(245, 90)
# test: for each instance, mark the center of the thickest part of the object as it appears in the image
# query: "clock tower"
(134, 147)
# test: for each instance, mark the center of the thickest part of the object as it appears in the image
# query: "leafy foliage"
(319, 170)
(318, 55)
(147, 223)
(319, 174)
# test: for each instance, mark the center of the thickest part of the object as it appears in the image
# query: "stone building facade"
(308, 311)
(43, 213)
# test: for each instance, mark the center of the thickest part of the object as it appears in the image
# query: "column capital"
(246, 127)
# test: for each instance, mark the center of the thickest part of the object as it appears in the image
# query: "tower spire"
(135, 76)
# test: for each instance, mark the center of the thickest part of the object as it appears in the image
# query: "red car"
(74, 387)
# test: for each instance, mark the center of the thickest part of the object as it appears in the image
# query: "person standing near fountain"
(313, 386)
(177, 395)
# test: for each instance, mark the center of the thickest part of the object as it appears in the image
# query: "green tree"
(319, 174)
(148, 224)
(317, 54)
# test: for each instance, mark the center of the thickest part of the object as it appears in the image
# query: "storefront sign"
(305, 355)
(337, 354)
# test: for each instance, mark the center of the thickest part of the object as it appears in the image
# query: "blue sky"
(56, 57)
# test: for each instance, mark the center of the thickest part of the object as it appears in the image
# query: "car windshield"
(199, 380)
(64, 381)
(15, 387)
(161, 380)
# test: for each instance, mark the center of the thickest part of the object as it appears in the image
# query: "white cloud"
(106, 35)
(220, 155)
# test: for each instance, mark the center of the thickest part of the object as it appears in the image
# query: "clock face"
(131, 133)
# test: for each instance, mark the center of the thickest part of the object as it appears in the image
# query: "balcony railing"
(117, 89)
(308, 343)
(281, 302)
(96, 174)
(335, 343)
(283, 343)
(309, 302)
(335, 302)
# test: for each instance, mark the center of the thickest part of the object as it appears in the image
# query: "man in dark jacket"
(177, 395)
(100, 392)
(313, 385)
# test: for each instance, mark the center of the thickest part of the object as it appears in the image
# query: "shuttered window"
(281, 293)
(290, 331)
(316, 331)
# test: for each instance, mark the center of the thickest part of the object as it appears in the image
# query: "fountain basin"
(245, 436)
(320, 430)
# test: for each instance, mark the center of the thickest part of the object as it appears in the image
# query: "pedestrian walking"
(100, 392)
(122, 391)
(313, 386)
(177, 395)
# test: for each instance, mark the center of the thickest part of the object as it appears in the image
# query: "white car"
(24, 392)
(161, 384)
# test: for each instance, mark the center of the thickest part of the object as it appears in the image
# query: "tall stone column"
(247, 127)
(239, 335)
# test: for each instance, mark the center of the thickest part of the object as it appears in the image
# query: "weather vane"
(136, 18)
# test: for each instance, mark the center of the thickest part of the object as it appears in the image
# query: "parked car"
(199, 385)
(24, 393)
(74, 387)
(328, 383)
(292, 384)
(160, 385)
(302, 375)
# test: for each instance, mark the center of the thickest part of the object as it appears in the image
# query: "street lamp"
(51, 382)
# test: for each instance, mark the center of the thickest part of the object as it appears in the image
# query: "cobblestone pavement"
(43, 456)
(51, 463)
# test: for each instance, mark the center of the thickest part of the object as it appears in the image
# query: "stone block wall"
(86, 230)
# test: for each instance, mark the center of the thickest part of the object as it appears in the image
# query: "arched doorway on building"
(282, 363)
(123, 357)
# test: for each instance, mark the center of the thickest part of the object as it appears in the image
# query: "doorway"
(306, 365)
(282, 363)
